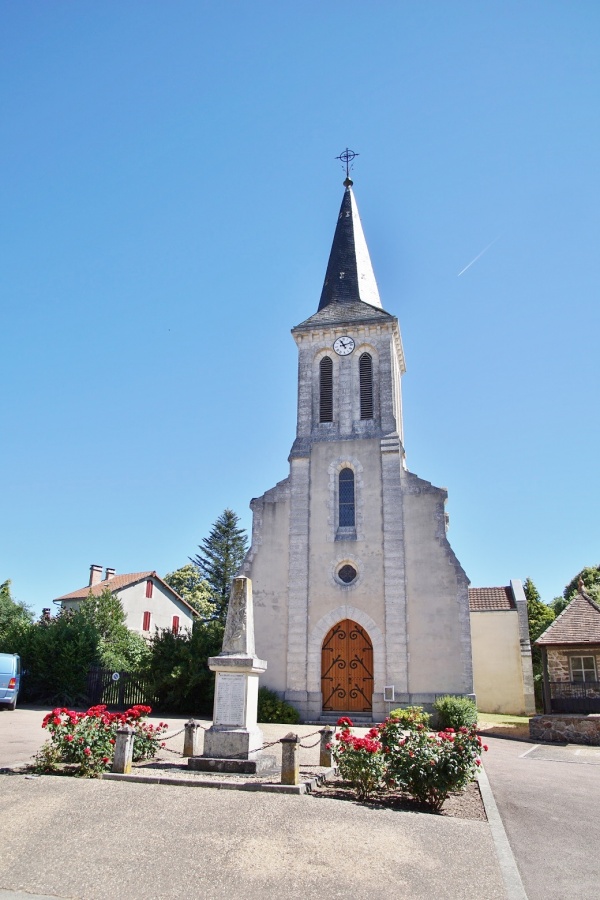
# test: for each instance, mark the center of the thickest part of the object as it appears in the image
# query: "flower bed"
(83, 743)
(428, 766)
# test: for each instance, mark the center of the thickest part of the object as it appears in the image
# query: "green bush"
(455, 712)
(178, 668)
(272, 708)
(409, 717)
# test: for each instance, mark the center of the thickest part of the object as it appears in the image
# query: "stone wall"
(559, 660)
(566, 728)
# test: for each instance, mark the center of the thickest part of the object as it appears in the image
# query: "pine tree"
(539, 616)
(221, 554)
(538, 613)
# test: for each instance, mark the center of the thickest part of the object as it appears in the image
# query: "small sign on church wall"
(388, 693)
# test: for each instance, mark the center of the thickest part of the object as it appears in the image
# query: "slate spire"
(349, 275)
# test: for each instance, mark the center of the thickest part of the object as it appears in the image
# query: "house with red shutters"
(148, 601)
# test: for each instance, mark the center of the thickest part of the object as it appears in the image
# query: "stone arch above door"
(319, 633)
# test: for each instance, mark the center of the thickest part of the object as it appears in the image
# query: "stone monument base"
(263, 762)
(226, 742)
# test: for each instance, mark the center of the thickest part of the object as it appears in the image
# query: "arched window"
(365, 370)
(346, 499)
(326, 390)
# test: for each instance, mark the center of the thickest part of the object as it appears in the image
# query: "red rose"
(87, 751)
(56, 720)
(477, 762)
(68, 737)
(485, 747)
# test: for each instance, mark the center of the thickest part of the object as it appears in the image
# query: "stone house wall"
(559, 667)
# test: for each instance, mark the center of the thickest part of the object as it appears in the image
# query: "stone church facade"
(360, 603)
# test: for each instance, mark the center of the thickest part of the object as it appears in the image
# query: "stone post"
(290, 759)
(123, 750)
(190, 739)
(325, 757)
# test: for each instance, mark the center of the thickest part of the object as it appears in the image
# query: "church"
(360, 603)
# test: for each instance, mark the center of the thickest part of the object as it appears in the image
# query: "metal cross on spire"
(346, 159)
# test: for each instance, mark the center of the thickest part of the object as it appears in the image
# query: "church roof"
(349, 276)
(488, 599)
(578, 623)
(352, 312)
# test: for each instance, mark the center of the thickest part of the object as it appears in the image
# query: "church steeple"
(349, 275)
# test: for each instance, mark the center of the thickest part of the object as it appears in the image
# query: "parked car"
(10, 677)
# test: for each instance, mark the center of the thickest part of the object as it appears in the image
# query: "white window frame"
(581, 669)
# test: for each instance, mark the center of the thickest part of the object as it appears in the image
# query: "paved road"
(548, 797)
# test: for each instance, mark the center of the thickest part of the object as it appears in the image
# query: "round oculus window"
(347, 574)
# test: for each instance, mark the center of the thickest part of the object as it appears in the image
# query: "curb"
(305, 787)
(506, 860)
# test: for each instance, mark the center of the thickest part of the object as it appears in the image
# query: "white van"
(10, 677)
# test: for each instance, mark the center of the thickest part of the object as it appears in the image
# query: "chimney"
(95, 575)
(110, 573)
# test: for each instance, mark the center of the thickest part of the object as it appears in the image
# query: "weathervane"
(346, 159)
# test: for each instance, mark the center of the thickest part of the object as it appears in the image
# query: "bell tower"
(356, 587)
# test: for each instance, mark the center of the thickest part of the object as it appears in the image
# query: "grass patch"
(503, 725)
(501, 719)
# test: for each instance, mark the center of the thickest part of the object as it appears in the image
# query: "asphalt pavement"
(548, 798)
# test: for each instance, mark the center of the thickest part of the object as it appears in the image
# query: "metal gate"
(120, 692)
(347, 669)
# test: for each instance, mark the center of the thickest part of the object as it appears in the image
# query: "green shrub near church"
(271, 708)
(455, 712)
(408, 717)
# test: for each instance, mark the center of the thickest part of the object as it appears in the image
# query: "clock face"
(344, 346)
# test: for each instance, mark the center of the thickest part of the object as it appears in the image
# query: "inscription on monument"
(231, 691)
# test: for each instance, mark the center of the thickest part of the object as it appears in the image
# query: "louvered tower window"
(365, 369)
(326, 390)
(346, 498)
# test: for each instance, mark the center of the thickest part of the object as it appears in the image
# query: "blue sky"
(170, 192)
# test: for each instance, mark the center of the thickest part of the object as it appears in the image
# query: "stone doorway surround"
(315, 644)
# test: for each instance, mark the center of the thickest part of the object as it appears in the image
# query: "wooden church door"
(347, 669)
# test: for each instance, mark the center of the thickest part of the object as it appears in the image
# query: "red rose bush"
(359, 760)
(85, 741)
(426, 765)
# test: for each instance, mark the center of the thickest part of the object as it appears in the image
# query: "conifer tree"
(221, 554)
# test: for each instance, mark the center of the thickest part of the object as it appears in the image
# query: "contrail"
(479, 255)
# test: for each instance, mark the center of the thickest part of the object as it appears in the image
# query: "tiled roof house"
(148, 601)
(571, 658)
(502, 671)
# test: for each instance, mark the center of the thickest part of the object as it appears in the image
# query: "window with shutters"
(346, 499)
(149, 587)
(146, 622)
(326, 389)
(365, 369)
(175, 624)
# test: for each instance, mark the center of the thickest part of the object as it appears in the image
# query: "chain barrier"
(265, 746)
